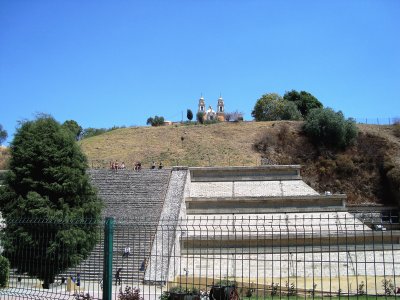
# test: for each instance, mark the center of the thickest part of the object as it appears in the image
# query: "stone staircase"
(135, 200)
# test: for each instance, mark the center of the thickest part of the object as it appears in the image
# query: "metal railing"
(301, 255)
(378, 120)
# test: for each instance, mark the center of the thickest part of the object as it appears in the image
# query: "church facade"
(211, 114)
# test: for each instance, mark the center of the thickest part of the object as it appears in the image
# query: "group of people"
(126, 253)
(137, 166)
(114, 165)
(153, 165)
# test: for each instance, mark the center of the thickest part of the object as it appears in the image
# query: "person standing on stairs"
(118, 277)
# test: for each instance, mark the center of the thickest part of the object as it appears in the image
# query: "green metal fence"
(287, 255)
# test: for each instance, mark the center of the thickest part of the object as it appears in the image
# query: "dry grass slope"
(220, 144)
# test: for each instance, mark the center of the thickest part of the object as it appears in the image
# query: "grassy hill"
(221, 144)
(360, 171)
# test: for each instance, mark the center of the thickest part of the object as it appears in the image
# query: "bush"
(4, 271)
(200, 117)
(208, 122)
(129, 294)
(156, 121)
(388, 286)
(265, 140)
(344, 165)
(326, 127)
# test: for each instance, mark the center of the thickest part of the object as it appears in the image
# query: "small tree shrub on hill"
(189, 114)
(304, 101)
(200, 117)
(156, 121)
(272, 107)
(4, 271)
(326, 127)
(344, 165)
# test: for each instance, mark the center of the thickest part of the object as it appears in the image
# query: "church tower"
(221, 109)
(202, 105)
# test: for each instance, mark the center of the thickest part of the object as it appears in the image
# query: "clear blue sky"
(105, 63)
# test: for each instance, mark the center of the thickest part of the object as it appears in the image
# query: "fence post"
(108, 257)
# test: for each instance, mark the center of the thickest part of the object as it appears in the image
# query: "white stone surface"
(250, 189)
(258, 188)
(296, 188)
(277, 224)
(284, 265)
(211, 189)
(164, 241)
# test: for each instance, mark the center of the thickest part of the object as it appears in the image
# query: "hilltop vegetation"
(365, 171)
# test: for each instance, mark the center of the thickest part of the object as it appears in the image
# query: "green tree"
(47, 180)
(326, 127)
(3, 134)
(189, 115)
(304, 101)
(89, 132)
(200, 117)
(272, 107)
(156, 121)
(74, 128)
(4, 271)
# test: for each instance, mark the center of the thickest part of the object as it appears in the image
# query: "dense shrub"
(272, 107)
(156, 121)
(304, 101)
(129, 294)
(4, 271)
(200, 117)
(344, 165)
(329, 128)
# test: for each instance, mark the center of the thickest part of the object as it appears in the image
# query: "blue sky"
(105, 63)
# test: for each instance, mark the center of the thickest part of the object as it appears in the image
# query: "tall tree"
(47, 180)
(189, 115)
(304, 101)
(272, 107)
(74, 128)
(3, 134)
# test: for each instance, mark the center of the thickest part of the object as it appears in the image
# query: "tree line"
(323, 126)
